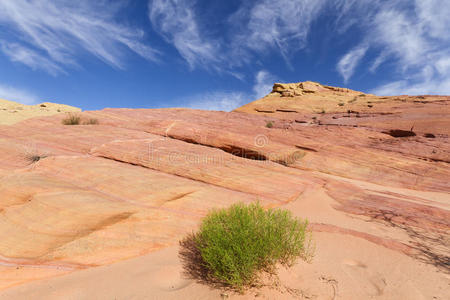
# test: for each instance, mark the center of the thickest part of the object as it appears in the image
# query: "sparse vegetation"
(72, 119)
(236, 244)
(33, 158)
(91, 122)
(269, 124)
(341, 104)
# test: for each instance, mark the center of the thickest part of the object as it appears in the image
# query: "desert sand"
(97, 211)
(360, 270)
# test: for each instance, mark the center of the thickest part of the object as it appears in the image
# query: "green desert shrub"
(237, 244)
(71, 119)
(91, 122)
(269, 124)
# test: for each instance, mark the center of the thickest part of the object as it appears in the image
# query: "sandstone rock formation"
(75, 197)
(311, 102)
(12, 112)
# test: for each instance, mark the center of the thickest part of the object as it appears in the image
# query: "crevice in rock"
(231, 149)
(398, 133)
(305, 148)
(178, 197)
(286, 110)
(243, 152)
(264, 111)
(439, 160)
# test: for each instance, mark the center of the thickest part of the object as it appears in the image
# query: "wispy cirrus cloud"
(263, 84)
(29, 57)
(381, 58)
(414, 37)
(263, 26)
(419, 41)
(51, 35)
(15, 94)
(348, 63)
(257, 27)
(218, 100)
(176, 21)
(409, 35)
(400, 35)
(230, 100)
(417, 87)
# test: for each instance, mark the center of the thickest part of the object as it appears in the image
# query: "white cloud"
(263, 84)
(388, 28)
(348, 63)
(443, 65)
(256, 27)
(413, 36)
(419, 41)
(381, 58)
(51, 34)
(405, 87)
(31, 58)
(175, 20)
(409, 35)
(399, 35)
(228, 101)
(224, 101)
(427, 82)
(283, 26)
(18, 95)
(434, 17)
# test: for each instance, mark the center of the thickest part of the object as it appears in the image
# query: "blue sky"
(217, 54)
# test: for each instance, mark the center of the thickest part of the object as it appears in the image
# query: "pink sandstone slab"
(77, 197)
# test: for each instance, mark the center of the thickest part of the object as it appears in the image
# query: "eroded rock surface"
(12, 112)
(312, 102)
(74, 197)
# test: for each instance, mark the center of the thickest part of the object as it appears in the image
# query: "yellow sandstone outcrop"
(12, 112)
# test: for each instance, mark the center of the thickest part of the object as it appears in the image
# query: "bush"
(238, 243)
(269, 124)
(72, 119)
(91, 122)
(33, 158)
